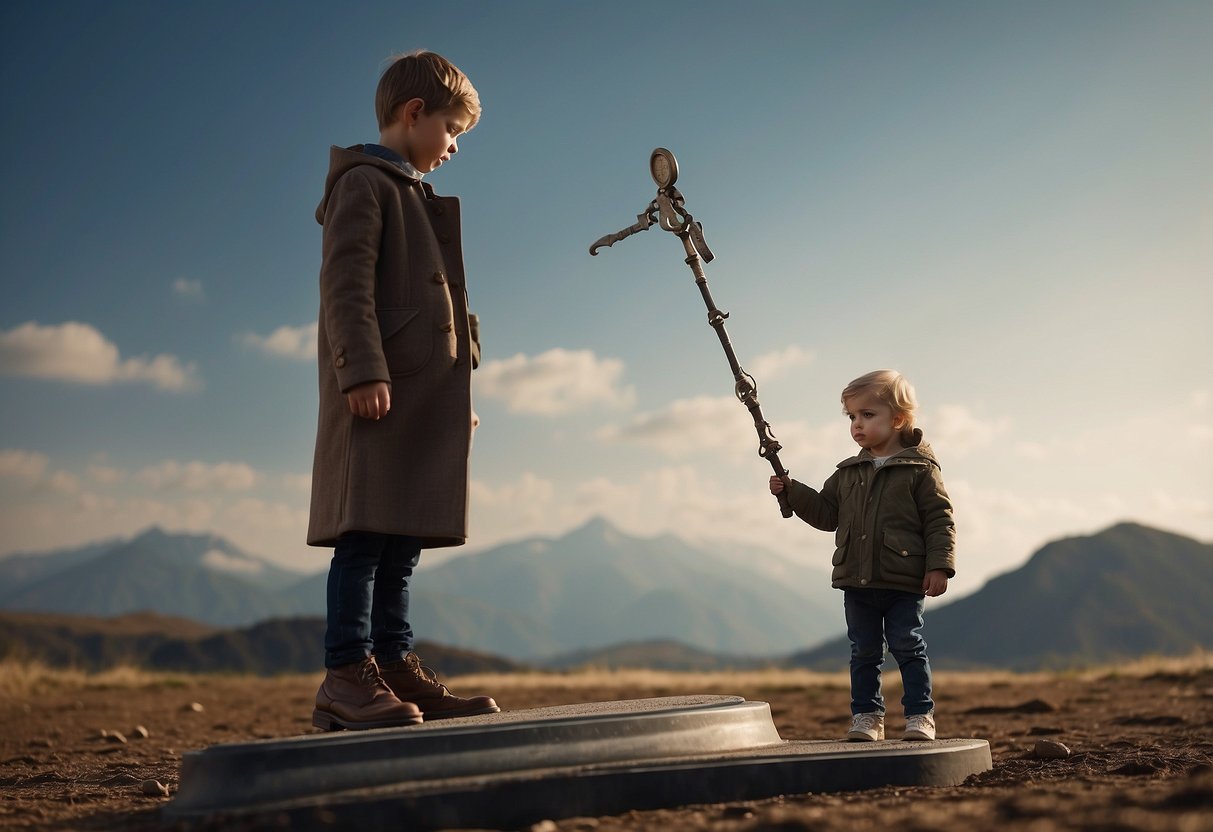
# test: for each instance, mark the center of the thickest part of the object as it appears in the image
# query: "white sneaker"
(866, 728)
(920, 727)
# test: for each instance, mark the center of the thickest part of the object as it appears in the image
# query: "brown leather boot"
(414, 683)
(355, 696)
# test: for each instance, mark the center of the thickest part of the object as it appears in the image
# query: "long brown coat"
(393, 308)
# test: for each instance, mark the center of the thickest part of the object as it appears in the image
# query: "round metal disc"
(663, 167)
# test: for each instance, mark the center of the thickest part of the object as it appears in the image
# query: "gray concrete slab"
(510, 769)
(244, 774)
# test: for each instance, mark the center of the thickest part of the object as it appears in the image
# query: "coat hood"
(344, 159)
(918, 451)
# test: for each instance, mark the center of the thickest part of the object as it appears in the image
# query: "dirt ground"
(1141, 742)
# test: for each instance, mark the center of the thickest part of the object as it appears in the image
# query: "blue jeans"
(368, 598)
(874, 615)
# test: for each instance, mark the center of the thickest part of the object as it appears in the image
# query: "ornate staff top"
(668, 211)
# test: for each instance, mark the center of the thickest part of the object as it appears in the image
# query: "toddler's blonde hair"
(891, 388)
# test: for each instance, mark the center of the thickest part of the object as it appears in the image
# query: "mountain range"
(591, 588)
(598, 597)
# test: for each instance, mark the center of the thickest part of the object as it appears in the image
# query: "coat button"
(340, 362)
(863, 537)
(863, 581)
(448, 326)
(439, 277)
(904, 552)
(340, 351)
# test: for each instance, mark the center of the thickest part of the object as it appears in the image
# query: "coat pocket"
(407, 343)
(840, 553)
(903, 554)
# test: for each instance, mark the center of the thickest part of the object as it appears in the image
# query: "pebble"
(196, 707)
(154, 788)
(544, 826)
(140, 732)
(1050, 750)
(116, 737)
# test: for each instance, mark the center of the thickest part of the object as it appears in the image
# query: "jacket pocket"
(840, 553)
(407, 343)
(903, 554)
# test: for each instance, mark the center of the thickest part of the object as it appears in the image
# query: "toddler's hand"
(935, 583)
(777, 485)
(371, 400)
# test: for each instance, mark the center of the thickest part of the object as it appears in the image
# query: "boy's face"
(872, 424)
(431, 138)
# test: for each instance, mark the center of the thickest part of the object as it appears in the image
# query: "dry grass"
(20, 678)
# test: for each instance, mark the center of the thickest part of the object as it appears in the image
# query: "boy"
(895, 543)
(396, 350)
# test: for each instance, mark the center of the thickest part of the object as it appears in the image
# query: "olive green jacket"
(892, 525)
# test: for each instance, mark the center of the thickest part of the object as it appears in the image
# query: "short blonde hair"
(428, 76)
(891, 388)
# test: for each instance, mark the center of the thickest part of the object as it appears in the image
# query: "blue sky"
(1008, 202)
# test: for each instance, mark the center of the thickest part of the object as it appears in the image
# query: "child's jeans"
(874, 615)
(368, 598)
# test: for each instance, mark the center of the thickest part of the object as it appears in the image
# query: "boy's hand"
(777, 485)
(935, 583)
(371, 400)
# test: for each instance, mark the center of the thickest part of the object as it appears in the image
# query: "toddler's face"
(431, 139)
(872, 424)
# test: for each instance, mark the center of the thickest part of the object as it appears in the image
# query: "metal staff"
(667, 210)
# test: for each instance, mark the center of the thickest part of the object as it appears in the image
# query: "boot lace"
(427, 675)
(368, 674)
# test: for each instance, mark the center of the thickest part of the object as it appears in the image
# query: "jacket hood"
(918, 451)
(344, 159)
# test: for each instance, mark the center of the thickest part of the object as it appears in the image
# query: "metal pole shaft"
(745, 388)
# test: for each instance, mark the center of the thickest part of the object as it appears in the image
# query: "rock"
(544, 826)
(115, 737)
(154, 788)
(196, 707)
(1050, 750)
(140, 733)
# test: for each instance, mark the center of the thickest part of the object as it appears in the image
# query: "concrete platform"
(510, 769)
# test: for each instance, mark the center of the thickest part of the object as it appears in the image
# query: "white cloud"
(105, 474)
(957, 430)
(554, 383)
(24, 465)
(297, 482)
(774, 364)
(684, 426)
(296, 342)
(77, 352)
(186, 288)
(198, 476)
